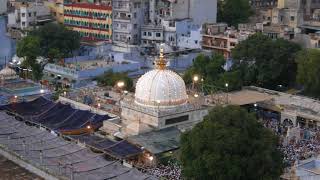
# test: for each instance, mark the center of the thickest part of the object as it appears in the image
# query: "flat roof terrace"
(91, 64)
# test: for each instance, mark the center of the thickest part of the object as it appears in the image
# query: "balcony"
(121, 30)
(215, 45)
(122, 19)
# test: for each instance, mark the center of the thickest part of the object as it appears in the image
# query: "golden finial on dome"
(161, 63)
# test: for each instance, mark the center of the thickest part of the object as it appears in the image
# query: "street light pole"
(227, 86)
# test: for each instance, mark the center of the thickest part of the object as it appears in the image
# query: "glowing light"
(226, 84)
(196, 78)
(99, 105)
(120, 84)
(41, 91)
(125, 92)
(65, 93)
(88, 127)
(150, 158)
(15, 97)
(196, 95)
(255, 104)
(158, 101)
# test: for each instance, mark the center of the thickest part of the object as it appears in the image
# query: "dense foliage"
(309, 70)
(211, 70)
(49, 41)
(234, 12)
(266, 62)
(56, 40)
(230, 144)
(110, 78)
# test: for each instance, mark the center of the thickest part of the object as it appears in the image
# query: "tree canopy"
(308, 71)
(49, 41)
(234, 12)
(210, 69)
(266, 62)
(110, 78)
(230, 144)
(56, 40)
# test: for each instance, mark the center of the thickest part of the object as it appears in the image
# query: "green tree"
(210, 69)
(266, 62)
(58, 38)
(230, 144)
(206, 67)
(308, 71)
(29, 49)
(234, 12)
(52, 41)
(110, 78)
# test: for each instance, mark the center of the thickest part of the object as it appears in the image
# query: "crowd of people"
(301, 145)
(171, 171)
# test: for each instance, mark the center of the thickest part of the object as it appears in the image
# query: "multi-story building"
(177, 23)
(128, 17)
(29, 14)
(56, 9)
(92, 21)
(221, 39)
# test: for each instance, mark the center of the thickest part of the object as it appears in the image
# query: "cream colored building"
(160, 101)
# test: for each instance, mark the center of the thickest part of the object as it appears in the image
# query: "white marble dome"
(161, 88)
(8, 73)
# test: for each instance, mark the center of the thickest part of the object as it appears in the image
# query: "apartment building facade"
(92, 21)
(221, 39)
(29, 14)
(128, 17)
(177, 22)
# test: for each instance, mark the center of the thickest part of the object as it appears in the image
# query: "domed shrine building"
(160, 101)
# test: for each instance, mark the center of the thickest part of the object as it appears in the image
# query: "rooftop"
(59, 156)
(158, 141)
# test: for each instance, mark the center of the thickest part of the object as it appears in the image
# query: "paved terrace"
(61, 158)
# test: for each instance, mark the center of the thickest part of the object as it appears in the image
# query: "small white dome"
(8, 73)
(160, 87)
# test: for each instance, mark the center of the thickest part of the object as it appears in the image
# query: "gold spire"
(161, 63)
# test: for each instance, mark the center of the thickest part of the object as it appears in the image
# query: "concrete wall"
(3, 6)
(188, 35)
(133, 116)
(203, 11)
(180, 9)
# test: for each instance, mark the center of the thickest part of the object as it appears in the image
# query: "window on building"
(144, 33)
(149, 34)
(158, 34)
(292, 18)
(177, 120)
(134, 15)
(34, 13)
(172, 24)
(196, 42)
(23, 23)
(23, 14)
(29, 14)
(135, 26)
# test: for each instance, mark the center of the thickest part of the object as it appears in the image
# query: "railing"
(61, 70)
